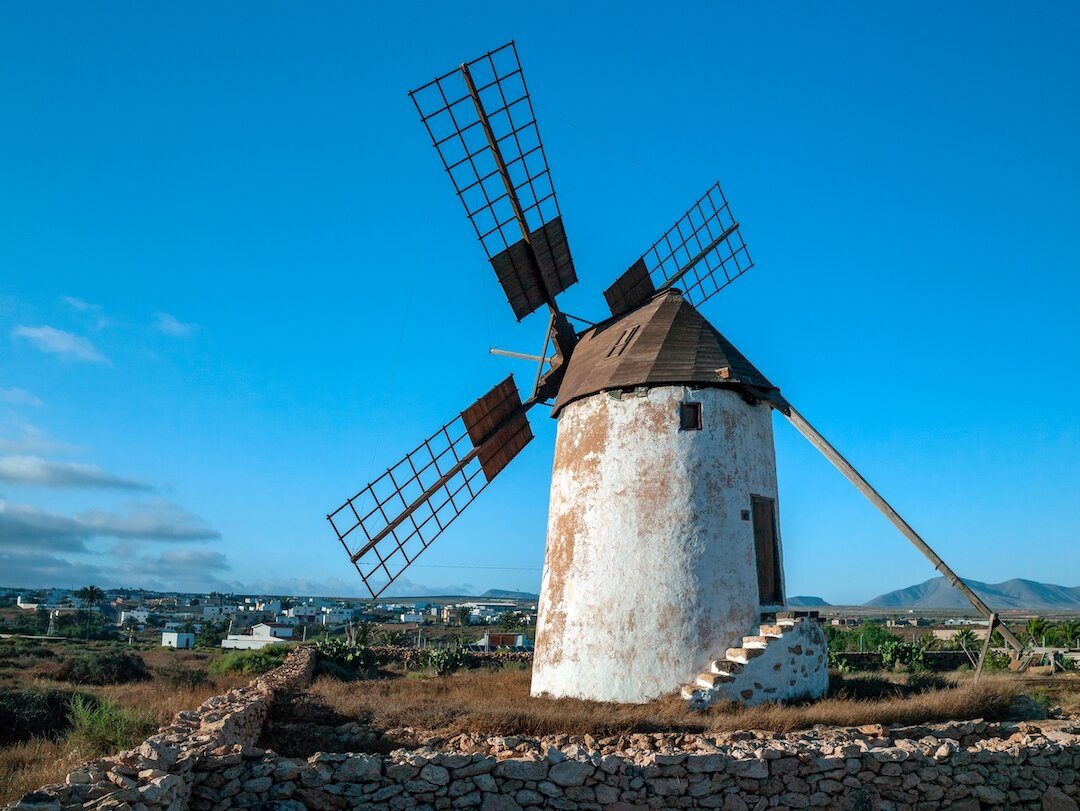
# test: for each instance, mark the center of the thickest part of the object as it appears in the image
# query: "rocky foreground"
(206, 760)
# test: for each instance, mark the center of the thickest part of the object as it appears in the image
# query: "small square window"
(690, 417)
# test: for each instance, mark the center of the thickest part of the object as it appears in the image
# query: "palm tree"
(365, 633)
(1036, 629)
(464, 616)
(1069, 633)
(965, 639)
(89, 596)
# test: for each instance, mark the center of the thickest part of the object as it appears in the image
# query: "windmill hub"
(663, 545)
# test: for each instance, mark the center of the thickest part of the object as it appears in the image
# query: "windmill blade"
(863, 486)
(703, 253)
(481, 121)
(390, 522)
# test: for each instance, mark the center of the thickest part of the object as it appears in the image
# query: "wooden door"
(766, 550)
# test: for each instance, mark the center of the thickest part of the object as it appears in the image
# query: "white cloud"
(21, 437)
(37, 471)
(18, 397)
(57, 342)
(30, 528)
(35, 570)
(178, 570)
(79, 304)
(158, 520)
(163, 322)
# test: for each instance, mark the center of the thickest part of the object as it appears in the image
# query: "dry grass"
(498, 702)
(165, 701)
(28, 766)
(37, 762)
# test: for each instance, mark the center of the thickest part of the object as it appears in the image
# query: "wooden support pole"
(863, 486)
(986, 645)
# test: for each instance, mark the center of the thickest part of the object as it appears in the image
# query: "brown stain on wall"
(578, 451)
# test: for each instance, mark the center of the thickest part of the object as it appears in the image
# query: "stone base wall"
(962, 766)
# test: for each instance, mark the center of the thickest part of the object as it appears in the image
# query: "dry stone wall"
(205, 760)
(965, 766)
(158, 774)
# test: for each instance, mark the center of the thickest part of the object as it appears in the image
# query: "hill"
(502, 594)
(802, 601)
(1016, 593)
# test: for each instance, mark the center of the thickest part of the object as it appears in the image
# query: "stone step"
(787, 622)
(698, 697)
(711, 680)
(755, 641)
(771, 630)
(727, 667)
(743, 655)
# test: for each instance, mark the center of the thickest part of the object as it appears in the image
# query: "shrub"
(895, 653)
(445, 661)
(28, 713)
(103, 727)
(104, 668)
(176, 675)
(344, 660)
(250, 661)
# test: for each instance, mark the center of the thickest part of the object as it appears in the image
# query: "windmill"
(663, 544)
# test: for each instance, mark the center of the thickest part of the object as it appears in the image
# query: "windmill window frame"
(623, 342)
(690, 416)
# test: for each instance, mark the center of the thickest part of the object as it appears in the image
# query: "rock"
(749, 768)
(159, 753)
(258, 784)
(1054, 799)
(363, 769)
(522, 769)
(499, 802)
(944, 752)
(555, 755)
(570, 773)
(436, 775)
(989, 794)
(527, 796)
(733, 802)
(288, 769)
(37, 801)
(858, 800)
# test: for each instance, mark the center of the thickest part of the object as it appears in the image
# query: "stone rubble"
(206, 760)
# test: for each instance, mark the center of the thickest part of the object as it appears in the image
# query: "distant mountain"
(501, 594)
(802, 601)
(1016, 593)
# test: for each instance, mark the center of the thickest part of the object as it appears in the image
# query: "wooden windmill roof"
(663, 342)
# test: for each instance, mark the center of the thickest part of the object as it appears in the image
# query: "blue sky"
(235, 284)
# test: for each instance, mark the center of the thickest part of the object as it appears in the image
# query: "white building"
(177, 639)
(332, 616)
(249, 642)
(272, 629)
(176, 625)
(140, 615)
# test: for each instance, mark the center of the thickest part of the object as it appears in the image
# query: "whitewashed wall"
(650, 571)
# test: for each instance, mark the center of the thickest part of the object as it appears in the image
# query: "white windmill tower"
(663, 547)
